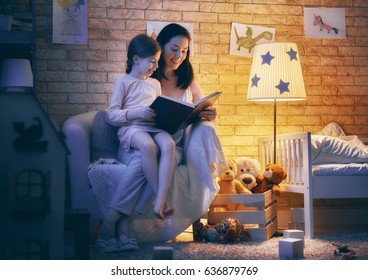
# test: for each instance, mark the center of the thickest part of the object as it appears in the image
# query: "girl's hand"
(141, 114)
(209, 113)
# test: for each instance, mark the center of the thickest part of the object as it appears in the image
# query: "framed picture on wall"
(69, 22)
(245, 37)
(154, 28)
(327, 23)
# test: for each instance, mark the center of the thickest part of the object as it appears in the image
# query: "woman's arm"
(210, 112)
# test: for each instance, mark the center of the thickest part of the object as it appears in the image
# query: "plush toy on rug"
(229, 184)
(248, 172)
(343, 252)
(273, 175)
(229, 230)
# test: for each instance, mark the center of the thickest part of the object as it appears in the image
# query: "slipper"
(127, 244)
(107, 246)
(133, 240)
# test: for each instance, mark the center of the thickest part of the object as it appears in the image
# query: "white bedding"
(331, 145)
(335, 169)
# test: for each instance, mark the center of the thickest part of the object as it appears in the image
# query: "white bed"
(301, 153)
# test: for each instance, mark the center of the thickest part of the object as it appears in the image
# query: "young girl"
(129, 106)
(131, 98)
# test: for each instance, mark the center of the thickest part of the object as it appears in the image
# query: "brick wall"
(72, 79)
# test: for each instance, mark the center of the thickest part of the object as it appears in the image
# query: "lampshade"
(276, 73)
(16, 73)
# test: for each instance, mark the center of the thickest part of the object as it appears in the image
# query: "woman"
(193, 186)
(175, 71)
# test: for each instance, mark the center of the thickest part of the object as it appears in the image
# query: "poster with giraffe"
(245, 37)
(69, 22)
(327, 23)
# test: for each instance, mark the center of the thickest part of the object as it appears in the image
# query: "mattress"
(351, 169)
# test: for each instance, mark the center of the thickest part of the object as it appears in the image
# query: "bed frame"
(294, 154)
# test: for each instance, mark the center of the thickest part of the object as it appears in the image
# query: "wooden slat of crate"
(260, 200)
(263, 233)
(252, 216)
(257, 211)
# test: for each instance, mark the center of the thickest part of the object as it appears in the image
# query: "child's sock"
(107, 230)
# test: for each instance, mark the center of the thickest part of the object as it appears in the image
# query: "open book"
(173, 115)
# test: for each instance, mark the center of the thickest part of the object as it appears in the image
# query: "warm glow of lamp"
(15, 74)
(276, 75)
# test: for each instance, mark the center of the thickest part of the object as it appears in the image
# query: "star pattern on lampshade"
(283, 86)
(255, 81)
(292, 54)
(276, 73)
(266, 58)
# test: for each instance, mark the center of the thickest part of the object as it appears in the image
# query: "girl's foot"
(167, 212)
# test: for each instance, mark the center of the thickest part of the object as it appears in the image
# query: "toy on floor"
(248, 172)
(229, 230)
(273, 175)
(343, 252)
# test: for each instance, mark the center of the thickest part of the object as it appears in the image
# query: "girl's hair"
(184, 72)
(142, 46)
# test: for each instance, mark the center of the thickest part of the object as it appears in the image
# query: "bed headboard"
(293, 152)
(364, 140)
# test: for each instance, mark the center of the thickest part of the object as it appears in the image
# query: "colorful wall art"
(244, 38)
(328, 23)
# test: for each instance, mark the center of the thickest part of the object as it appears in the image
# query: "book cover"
(173, 115)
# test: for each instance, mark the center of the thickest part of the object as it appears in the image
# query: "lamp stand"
(274, 130)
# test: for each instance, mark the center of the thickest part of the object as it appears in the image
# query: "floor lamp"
(276, 75)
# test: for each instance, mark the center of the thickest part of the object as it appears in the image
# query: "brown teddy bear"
(229, 184)
(227, 181)
(273, 175)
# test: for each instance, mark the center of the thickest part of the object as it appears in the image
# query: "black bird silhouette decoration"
(29, 137)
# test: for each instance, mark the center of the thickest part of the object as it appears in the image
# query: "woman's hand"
(209, 113)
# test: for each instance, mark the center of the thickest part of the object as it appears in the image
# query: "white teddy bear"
(249, 172)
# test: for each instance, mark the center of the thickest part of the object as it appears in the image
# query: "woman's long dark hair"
(143, 46)
(185, 71)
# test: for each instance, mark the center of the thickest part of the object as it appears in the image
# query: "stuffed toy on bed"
(273, 175)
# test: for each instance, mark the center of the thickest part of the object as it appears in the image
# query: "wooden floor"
(185, 236)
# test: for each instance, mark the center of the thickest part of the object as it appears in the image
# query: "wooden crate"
(257, 211)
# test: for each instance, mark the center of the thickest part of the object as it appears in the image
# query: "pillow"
(332, 129)
(105, 141)
(343, 149)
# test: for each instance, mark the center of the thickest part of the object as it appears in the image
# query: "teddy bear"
(248, 172)
(273, 175)
(229, 184)
(229, 230)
